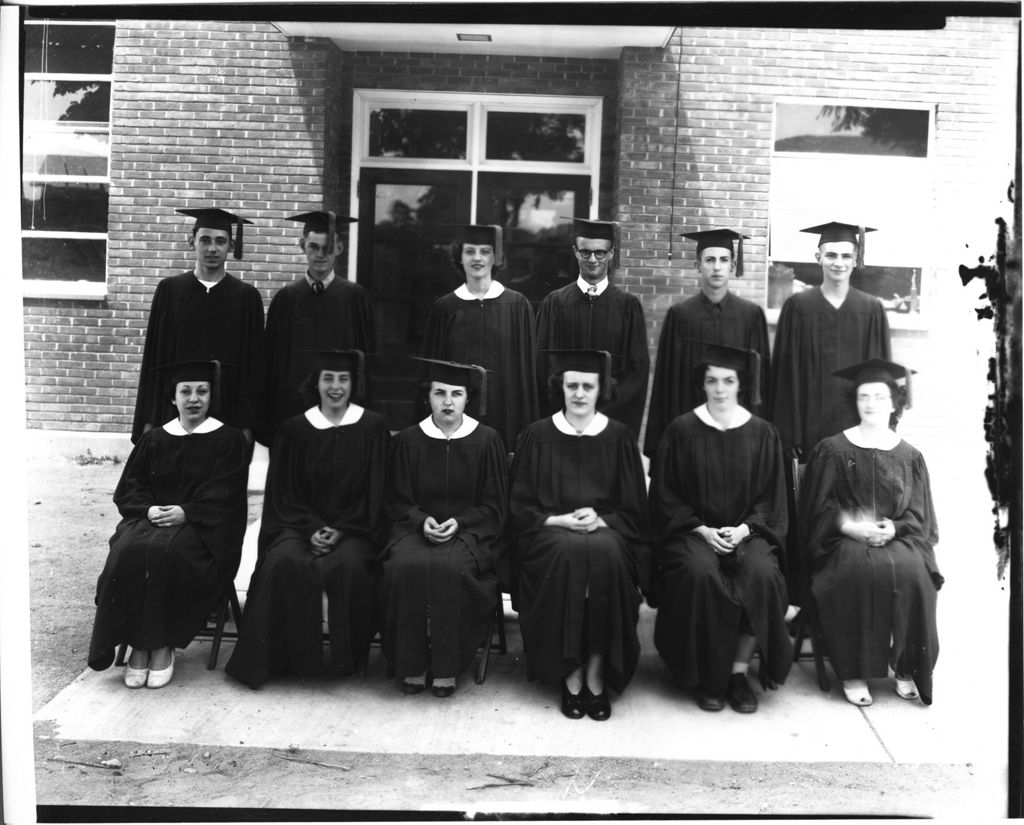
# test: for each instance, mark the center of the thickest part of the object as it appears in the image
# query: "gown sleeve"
(818, 506)
(631, 393)
(375, 485)
(134, 493)
(487, 516)
(666, 386)
(784, 391)
(218, 497)
(525, 516)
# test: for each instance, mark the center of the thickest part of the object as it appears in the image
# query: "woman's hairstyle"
(701, 370)
(423, 394)
(455, 253)
(897, 392)
(211, 411)
(557, 396)
(310, 391)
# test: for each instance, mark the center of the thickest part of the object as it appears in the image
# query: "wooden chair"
(214, 629)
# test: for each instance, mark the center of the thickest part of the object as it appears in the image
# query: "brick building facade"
(244, 115)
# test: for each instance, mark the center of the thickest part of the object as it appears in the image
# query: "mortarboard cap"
(877, 370)
(340, 360)
(746, 362)
(583, 360)
(213, 218)
(321, 222)
(482, 235)
(596, 230)
(834, 231)
(720, 239)
(459, 375)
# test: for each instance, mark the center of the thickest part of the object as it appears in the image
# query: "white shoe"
(159, 678)
(906, 689)
(135, 677)
(857, 693)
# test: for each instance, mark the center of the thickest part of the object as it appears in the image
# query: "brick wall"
(231, 114)
(713, 163)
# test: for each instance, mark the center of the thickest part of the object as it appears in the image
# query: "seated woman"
(578, 517)
(322, 530)
(446, 503)
(718, 507)
(869, 536)
(484, 322)
(182, 501)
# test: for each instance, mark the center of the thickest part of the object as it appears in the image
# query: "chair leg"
(500, 618)
(218, 633)
(485, 652)
(236, 608)
(122, 652)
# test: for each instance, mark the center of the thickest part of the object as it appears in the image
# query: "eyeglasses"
(599, 254)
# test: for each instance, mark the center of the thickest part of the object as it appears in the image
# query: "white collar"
(208, 284)
(318, 420)
(326, 281)
(493, 291)
(595, 427)
(173, 427)
(739, 418)
(431, 430)
(888, 442)
(585, 285)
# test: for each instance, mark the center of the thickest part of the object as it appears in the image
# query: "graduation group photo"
(430, 396)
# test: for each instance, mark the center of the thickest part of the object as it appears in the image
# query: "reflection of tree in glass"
(535, 136)
(92, 106)
(904, 130)
(417, 133)
(434, 207)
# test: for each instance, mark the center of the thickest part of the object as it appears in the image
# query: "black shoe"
(411, 688)
(442, 691)
(573, 705)
(740, 694)
(709, 701)
(599, 707)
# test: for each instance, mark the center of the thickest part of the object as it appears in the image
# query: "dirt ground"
(71, 517)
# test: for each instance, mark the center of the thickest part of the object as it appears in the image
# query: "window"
(426, 162)
(856, 163)
(66, 156)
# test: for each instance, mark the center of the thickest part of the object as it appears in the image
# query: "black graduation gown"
(813, 339)
(497, 334)
(614, 322)
(733, 321)
(867, 595)
(187, 323)
(705, 476)
(552, 474)
(159, 584)
(317, 478)
(453, 584)
(300, 319)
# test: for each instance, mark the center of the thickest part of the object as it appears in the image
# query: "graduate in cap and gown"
(483, 322)
(321, 533)
(182, 500)
(579, 523)
(595, 314)
(319, 311)
(713, 316)
(446, 502)
(869, 534)
(821, 330)
(207, 314)
(718, 510)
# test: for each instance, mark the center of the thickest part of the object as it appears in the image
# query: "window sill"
(67, 290)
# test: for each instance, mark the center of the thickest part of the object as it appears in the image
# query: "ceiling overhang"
(442, 38)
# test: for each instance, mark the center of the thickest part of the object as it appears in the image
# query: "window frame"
(476, 106)
(56, 288)
(927, 264)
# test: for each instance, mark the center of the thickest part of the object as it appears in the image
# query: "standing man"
(713, 316)
(594, 314)
(313, 314)
(206, 314)
(820, 331)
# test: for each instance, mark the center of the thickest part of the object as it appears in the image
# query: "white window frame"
(928, 164)
(476, 106)
(43, 288)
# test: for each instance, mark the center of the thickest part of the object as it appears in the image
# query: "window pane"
(64, 259)
(417, 133)
(67, 101)
(851, 130)
(66, 152)
(68, 207)
(535, 136)
(69, 49)
(404, 206)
